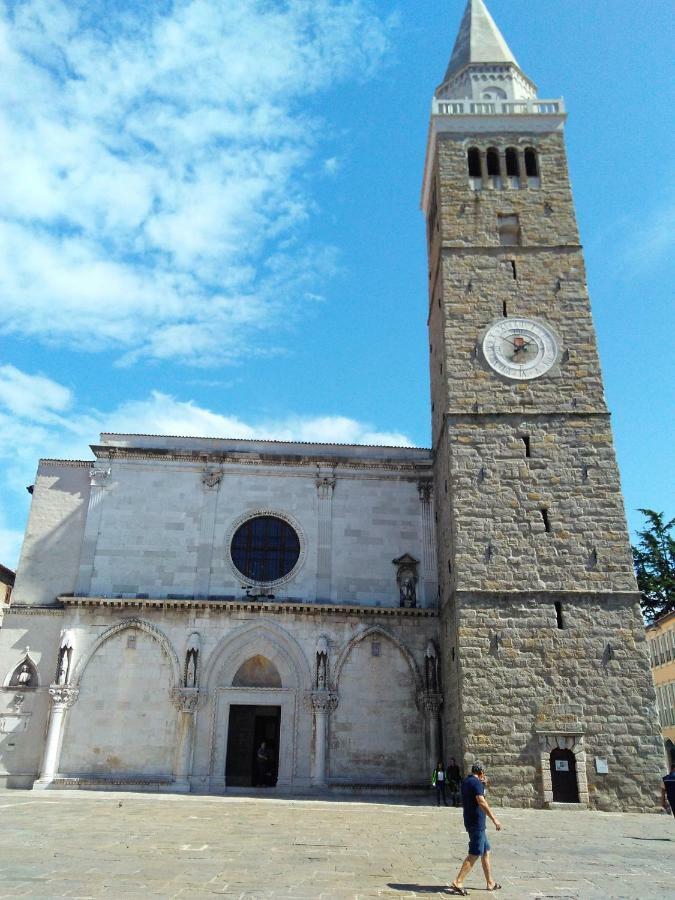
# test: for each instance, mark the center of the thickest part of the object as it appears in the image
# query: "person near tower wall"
(668, 790)
(476, 808)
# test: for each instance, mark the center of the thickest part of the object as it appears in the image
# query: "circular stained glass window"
(265, 548)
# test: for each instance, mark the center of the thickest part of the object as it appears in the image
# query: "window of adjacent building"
(265, 548)
(508, 227)
(473, 161)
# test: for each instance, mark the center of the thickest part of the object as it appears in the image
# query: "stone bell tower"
(545, 671)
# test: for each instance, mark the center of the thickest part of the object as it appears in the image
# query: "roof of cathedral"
(479, 40)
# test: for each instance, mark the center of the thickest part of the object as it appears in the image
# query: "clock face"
(520, 348)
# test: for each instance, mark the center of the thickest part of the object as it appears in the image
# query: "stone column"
(99, 477)
(428, 532)
(325, 484)
(323, 703)
(211, 481)
(432, 707)
(186, 700)
(62, 698)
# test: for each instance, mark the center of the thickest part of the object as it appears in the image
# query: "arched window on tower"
(473, 162)
(512, 167)
(532, 167)
(493, 168)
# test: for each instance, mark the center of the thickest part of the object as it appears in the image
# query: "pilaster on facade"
(425, 489)
(100, 477)
(325, 485)
(211, 480)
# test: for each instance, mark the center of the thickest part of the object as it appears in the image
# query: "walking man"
(475, 810)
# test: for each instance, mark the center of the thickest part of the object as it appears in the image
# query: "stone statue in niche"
(406, 578)
(24, 675)
(192, 661)
(431, 669)
(322, 664)
(63, 668)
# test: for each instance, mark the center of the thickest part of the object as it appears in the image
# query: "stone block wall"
(517, 666)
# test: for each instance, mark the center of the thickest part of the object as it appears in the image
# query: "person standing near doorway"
(668, 790)
(476, 808)
(453, 778)
(438, 781)
(262, 764)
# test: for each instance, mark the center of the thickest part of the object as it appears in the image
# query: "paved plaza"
(77, 844)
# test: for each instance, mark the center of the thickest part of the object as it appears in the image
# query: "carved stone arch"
(371, 631)
(140, 625)
(25, 660)
(264, 639)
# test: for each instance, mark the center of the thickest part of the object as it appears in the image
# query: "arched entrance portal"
(252, 758)
(564, 776)
(257, 680)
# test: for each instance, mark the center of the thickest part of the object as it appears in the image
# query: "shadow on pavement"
(632, 837)
(421, 888)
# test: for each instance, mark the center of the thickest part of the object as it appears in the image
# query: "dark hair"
(477, 768)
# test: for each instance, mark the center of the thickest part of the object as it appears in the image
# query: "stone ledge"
(229, 606)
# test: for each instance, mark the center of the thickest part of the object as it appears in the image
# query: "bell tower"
(545, 669)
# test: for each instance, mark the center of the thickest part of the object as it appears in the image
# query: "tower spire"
(481, 52)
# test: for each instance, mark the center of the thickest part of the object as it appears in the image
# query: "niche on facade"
(24, 677)
(191, 667)
(257, 672)
(406, 579)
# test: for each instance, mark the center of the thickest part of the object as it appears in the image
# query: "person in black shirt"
(476, 808)
(668, 790)
(454, 777)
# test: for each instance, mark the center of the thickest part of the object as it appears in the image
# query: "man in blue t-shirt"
(475, 810)
(668, 790)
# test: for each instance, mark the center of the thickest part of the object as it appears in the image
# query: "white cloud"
(41, 418)
(151, 160)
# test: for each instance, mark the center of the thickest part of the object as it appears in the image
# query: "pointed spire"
(479, 40)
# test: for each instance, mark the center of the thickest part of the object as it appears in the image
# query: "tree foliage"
(654, 560)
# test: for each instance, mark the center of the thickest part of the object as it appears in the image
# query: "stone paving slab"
(82, 845)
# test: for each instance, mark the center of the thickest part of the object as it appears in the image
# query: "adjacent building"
(208, 615)
(661, 641)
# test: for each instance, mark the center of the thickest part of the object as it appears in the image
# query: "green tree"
(654, 560)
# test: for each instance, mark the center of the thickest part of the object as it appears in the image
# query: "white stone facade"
(126, 567)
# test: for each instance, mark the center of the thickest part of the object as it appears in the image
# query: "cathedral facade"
(209, 615)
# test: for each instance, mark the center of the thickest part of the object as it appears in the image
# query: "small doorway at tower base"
(252, 746)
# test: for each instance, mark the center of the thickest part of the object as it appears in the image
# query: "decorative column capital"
(432, 703)
(186, 699)
(425, 488)
(211, 478)
(323, 701)
(325, 485)
(63, 695)
(99, 476)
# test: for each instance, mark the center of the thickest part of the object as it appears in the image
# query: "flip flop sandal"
(459, 891)
(495, 887)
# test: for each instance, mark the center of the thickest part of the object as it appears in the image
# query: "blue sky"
(210, 222)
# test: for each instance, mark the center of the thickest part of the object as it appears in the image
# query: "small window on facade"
(547, 520)
(508, 227)
(505, 309)
(512, 164)
(526, 441)
(473, 160)
(375, 648)
(131, 642)
(531, 164)
(493, 162)
(559, 614)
